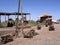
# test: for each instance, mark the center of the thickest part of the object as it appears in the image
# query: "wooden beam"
(15, 13)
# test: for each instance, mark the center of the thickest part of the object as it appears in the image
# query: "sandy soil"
(45, 37)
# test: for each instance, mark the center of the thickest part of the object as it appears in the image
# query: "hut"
(44, 17)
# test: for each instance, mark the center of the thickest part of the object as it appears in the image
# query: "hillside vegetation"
(31, 22)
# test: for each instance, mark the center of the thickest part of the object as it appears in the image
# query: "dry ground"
(45, 37)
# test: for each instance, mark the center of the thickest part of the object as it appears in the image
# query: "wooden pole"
(18, 8)
(0, 20)
(21, 16)
(17, 18)
(25, 17)
(5, 17)
(30, 19)
(8, 17)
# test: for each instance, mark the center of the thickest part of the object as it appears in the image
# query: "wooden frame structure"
(8, 14)
(19, 13)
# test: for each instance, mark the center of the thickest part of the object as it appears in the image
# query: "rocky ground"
(44, 37)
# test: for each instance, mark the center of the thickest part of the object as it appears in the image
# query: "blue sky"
(35, 7)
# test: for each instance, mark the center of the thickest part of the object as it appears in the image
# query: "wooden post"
(0, 20)
(8, 17)
(21, 16)
(17, 19)
(25, 17)
(15, 16)
(30, 19)
(5, 18)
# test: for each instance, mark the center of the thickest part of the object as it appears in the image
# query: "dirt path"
(45, 37)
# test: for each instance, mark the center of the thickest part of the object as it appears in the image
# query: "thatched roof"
(45, 15)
